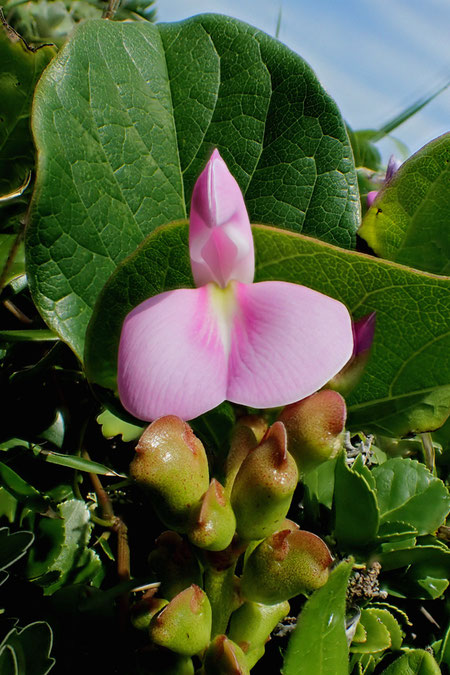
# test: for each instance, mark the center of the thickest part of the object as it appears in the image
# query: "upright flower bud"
(174, 565)
(184, 625)
(224, 657)
(315, 428)
(141, 612)
(212, 521)
(171, 464)
(286, 564)
(264, 486)
(347, 378)
(251, 625)
(243, 440)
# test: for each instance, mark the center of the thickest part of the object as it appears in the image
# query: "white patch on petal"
(224, 306)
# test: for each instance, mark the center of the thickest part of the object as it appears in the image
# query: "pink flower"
(392, 168)
(263, 345)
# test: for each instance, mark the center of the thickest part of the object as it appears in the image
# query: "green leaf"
(408, 492)
(114, 426)
(377, 634)
(8, 661)
(32, 646)
(21, 490)
(75, 462)
(406, 384)
(354, 527)
(409, 221)
(318, 644)
(364, 151)
(320, 483)
(60, 550)
(30, 335)
(214, 427)
(13, 547)
(128, 128)
(17, 267)
(414, 662)
(21, 68)
(434, 558)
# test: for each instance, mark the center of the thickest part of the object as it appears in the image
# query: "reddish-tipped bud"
(251, 625)
(184, 625)
(212, 522)
(174, 565)
(242, 442)
(363, 334)
(264, 486)
(256, 423)
(224, 657)
(141, 612)
(315, 428)
(171, 464)
(286, 564)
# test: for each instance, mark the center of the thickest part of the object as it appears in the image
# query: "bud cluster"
(204, 614)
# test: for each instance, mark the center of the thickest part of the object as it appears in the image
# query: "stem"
(219, 587)
(428, 451)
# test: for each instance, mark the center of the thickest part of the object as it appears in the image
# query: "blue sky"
(374, 57)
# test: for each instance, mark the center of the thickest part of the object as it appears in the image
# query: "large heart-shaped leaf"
(406, 385)
(124, 120)
(409, 222)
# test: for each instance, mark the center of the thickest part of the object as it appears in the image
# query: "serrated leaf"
(414, 662)
(395, 632)
(434, 587)
(21, 69)
(409, 221)
(129, 126)
(408, 370)
(114, 426)
(354, 527)
(378, 638)
(395, 530)
(407, 491)
(432, 557)
(32, 646)
(318, 644)
(320, 483)
(66, 541)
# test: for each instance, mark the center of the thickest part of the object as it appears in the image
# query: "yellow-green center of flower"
(224, 306)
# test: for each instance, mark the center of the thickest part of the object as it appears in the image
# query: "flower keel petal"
(287, 342)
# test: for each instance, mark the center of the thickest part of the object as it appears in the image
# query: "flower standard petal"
(287, 342)
(172, 358)
(220, 236)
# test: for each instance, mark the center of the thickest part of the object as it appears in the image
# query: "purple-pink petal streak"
(171, 357)
(220, 236)
(287, 342)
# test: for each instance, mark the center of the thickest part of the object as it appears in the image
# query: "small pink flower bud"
(174, 565)
(224, 657)
(171, 464)
(184, 625)
(264, 485)
(212, 521)
(251, 625)
(347, 378)
(286, 564)
(315, 428)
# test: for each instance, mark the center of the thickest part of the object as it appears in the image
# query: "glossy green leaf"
(114, 426)
(21, 69)
(353, 527)
(377, 634)
(406, 384)
(431, 557)
(318, 644)
(409, 221)
(414, 662)
(32, 646)
(20, 489)
(75, 462)
(407, 491)
(31, 335)
(126, 130)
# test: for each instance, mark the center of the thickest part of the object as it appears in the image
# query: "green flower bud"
(286, 564)
(264, 486)
(251, 625)
(171, 464)
(212, 522)
(174, 565)
(256, 423)
(242, 442)
(184, 625)
(224, 657)
(315, 428)
(141, 612)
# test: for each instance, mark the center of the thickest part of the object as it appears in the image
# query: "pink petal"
(370, 197)
(172, 357)
(220, 236)
(363, 332)
(287, 342)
